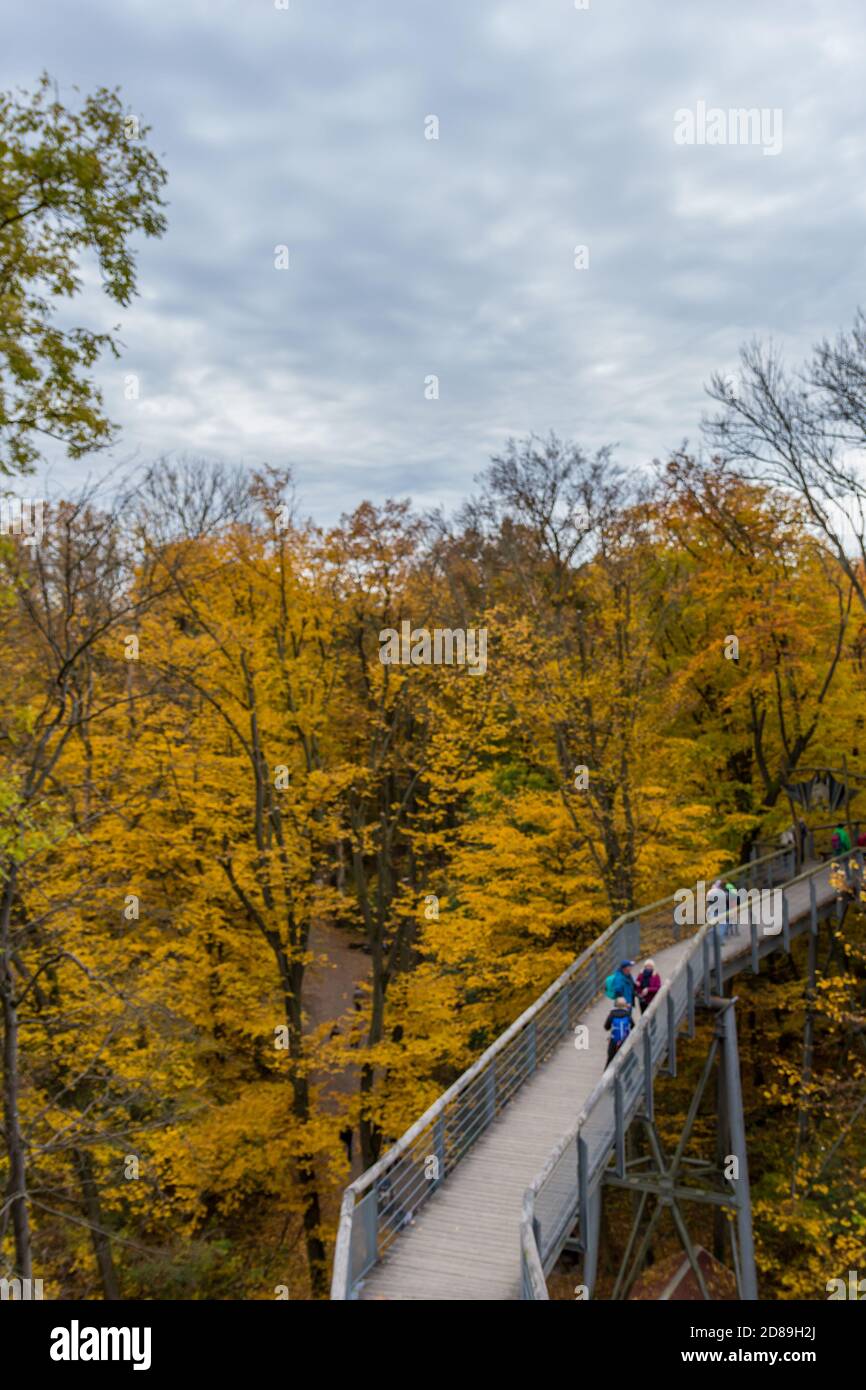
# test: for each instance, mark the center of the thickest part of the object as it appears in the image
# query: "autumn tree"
(570, 544)
(244, 641)
(66, 612)
(803, 429)
(75, 182)
(755, 634)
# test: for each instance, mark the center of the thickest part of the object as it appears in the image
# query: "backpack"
(836, 842)
(620, 1029)
(610, 986)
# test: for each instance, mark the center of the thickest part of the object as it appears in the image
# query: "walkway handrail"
(378, 1204)
(855, 825)
(582, 1173)
(533, 1263)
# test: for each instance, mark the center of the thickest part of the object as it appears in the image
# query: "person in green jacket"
(841, 841)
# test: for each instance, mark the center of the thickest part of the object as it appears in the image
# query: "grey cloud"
(411, 257)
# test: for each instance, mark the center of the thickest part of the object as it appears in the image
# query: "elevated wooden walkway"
(463, 1242)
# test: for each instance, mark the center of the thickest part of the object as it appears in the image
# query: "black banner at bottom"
(84, 1339)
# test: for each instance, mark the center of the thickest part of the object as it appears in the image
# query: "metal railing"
(378, 1205)
(818, 839)
(559, 1194)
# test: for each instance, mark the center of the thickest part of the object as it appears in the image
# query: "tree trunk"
(306, 1177)
(291, 977)
(11, 1117)
(93, 1211)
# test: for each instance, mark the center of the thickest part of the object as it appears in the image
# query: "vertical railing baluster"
(648, 1071)
(672, 1037)
(490, 1092)
(439, 1149)
(371, 1228)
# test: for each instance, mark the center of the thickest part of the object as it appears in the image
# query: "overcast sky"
(412, 257)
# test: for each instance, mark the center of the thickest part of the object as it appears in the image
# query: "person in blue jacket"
(621, 983)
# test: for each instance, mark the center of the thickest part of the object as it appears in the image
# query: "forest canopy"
(266, 894)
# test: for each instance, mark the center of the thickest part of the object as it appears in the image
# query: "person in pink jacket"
(648, 985)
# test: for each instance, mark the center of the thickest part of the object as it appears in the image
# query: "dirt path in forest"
(328, 995)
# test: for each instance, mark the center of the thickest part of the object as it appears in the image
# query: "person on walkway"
(717, 907)
(841, 841)
(621, 983)
(619, 1024)
(648, 985)
(732, 920)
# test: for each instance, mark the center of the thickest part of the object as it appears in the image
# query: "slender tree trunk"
(368, 1131)
(305, 1173)
(11, 1117)
(370, 1134)
(93, 1211)
(851, 836)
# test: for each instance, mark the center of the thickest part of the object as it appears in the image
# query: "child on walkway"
(618, 1023)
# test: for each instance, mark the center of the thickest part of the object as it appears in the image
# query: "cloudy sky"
(454, 257)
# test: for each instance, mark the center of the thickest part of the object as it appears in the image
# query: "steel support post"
(582, 1185)
(591, 1237)
(657, 1179)
(737, 1129)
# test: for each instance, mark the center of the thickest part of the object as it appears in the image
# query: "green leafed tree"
(75, 187)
